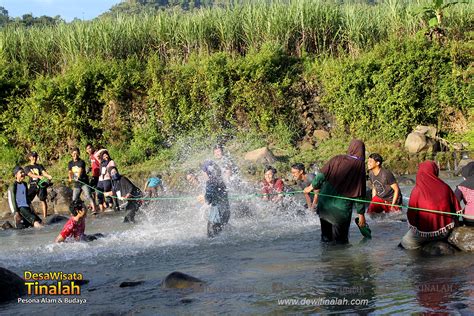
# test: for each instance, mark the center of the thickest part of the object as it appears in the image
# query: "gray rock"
(11, 286)
(429, 131)
(56, 218)
(438, 248)
(415, 142)
(405, 181)
(131, 283)
(462, 238)
(7, 225)
(261, 155)
(179, 280)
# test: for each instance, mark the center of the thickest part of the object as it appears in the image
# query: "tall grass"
(298, 26)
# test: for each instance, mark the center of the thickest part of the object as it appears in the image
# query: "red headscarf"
(430, 192)
(346, 173)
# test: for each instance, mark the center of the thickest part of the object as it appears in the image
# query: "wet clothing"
(381, 206)
(382, 184)
(346, 173)
(74, 229)
(342, 176)
(273, 188)
(430, 192)
(338, 233)
(334, 210)
(20, 204)
(153, 182)
(124, 187)
(216, 196)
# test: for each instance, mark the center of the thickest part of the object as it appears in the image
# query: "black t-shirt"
(382, 184)
(36, 169)
(78, 169)
(124, 186)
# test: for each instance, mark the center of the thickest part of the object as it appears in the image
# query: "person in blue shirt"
(153, 183)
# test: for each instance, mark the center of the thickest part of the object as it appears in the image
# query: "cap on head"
(33, 154)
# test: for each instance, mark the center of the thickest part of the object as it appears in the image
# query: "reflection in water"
(438, 284)
(348, 277)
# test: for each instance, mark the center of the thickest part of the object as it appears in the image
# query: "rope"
(252, 195)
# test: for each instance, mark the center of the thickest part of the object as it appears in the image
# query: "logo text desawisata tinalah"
(56, 284)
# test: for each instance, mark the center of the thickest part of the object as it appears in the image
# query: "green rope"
(252, 195)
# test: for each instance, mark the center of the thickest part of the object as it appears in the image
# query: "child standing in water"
(216, 196)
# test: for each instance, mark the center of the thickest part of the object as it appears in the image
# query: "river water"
(271, 262)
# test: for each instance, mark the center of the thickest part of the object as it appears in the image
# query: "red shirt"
(74, 229)
(95, 166)
(272, 188)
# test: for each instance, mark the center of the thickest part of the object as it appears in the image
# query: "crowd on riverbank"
(332, 193)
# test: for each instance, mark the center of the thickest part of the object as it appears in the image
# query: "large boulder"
(261, 155)
(415, 142)
(429, 131)
(463, 238)
(438, 248)
(60, 197)
(179, 280)
(11, 286)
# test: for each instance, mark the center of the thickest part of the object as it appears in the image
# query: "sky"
(67, 9)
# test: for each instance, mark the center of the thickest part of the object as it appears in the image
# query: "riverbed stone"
(438, 248)
(463, 238)
(11, 285)
(415, 142)
(429, 131)
(60, 199)
(261, 155)
(405, 181)
(179, 280)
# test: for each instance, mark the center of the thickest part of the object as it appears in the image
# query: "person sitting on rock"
(20, 203)
(216, 196)
(272, 187)
(124, 189)
(430, 193)
(385, 190)
(465, 193)
(75, 227)
(152, 185)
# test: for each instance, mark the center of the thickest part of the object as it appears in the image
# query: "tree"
(4, 19)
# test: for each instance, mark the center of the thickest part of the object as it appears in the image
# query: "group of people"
(332, 193)
(105, 183)
(340, 186)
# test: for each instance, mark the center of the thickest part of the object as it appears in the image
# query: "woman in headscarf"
(342, 176)
(124, 189)
(429, 193)
(465, 193)
(216, 196)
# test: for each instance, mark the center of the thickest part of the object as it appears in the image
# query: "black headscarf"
(468, 173)
(346, 173)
